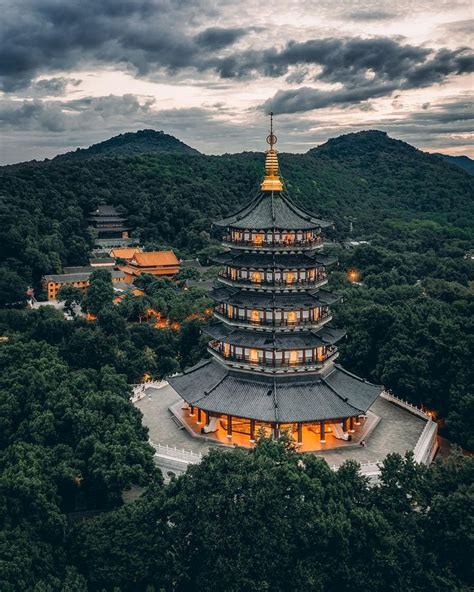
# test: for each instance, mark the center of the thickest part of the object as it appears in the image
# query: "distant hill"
(463, 162)
(171, 197)
(146, 141)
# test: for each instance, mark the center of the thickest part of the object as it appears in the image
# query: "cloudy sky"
(75, 72)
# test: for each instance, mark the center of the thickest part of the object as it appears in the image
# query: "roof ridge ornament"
(272, 180)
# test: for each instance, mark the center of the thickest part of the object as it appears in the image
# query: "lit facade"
(53, 283)
(273, 354)
(157, 263)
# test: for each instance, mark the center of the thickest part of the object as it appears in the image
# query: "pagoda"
(108, 223)
(273, 351)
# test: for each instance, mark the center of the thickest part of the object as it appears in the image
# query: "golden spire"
(271, 181)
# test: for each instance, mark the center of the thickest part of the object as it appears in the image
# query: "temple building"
(108, 223)
(273, 363)
(157, 263)
(77, 277)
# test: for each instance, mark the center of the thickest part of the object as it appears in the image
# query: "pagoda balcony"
(265, 245)
(269, 365)
(269, 324)
(272, 284)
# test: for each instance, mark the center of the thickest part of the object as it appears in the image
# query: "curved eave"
(274, 341)
(272, 260)
(272, 300)
(272, 210)
(216, 389)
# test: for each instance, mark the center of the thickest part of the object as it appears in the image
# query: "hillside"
(463, 162)
(131, 144)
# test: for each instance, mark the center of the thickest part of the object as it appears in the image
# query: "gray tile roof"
(274, 300)
(273, 209)
(272, 340)
(214, 388)
(272, 260)
(79, 277)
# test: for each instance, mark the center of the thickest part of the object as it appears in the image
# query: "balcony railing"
(287, 245)
(269, 363)
(272, 284)
(283, 323)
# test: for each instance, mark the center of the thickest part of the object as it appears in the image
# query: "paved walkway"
(397, 431)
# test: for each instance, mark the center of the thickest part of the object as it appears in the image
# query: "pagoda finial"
(271, 181)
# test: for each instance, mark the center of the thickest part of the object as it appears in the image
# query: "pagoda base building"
(273, 351)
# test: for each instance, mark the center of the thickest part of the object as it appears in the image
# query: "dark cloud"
(366, 69)
(51, 87)
(62, 116)
(307, 98)
(142, 35)
(371, 15)
(151, 36)
(217, 37)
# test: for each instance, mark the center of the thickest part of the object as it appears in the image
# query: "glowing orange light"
(253, 356)
(353, 275)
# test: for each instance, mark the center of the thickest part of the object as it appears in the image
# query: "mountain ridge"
(146, 141)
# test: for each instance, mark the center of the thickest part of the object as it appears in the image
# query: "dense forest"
(71, 443)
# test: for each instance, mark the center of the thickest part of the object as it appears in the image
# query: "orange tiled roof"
(155, 258)
(124, 252)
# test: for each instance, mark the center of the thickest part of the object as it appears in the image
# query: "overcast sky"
(75, 72)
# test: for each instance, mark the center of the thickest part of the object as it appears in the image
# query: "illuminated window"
(288, 238)
(320, 354)
(226, 350)
(230, 310)
(293, 357)
(256, 277)
(290, 277)
(253, 356)
(258, 240)
(233, 273)
(292, 316)
(255, 316)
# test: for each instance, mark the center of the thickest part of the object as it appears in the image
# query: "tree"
(12, 288)
(100, 292)
(71, 297)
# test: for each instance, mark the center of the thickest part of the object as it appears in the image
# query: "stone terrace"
(397, 431)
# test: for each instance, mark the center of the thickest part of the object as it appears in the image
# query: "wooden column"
(351, 425)
(191, 410)
(276, 430)
(207, 418)
(229, 427)
(322, 437)
(345, 425)
(300, 433)
(199, 416)
(252, 430)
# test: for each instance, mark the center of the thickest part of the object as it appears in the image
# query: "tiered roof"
(274, 300)
(273, 211)
(273, 260)
(300, 398)
(274, 340)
